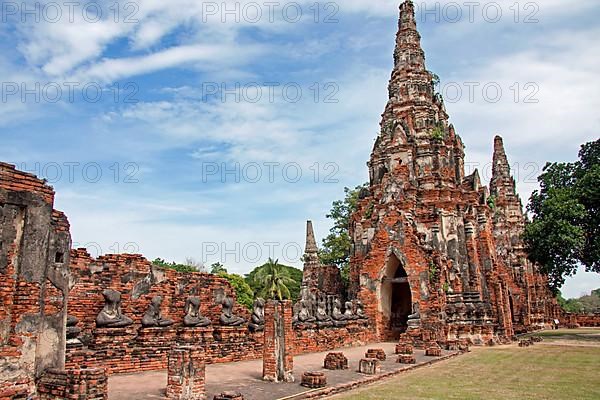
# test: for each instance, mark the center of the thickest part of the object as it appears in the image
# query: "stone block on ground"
(406, 359)
(376, 353)
(229, 396)
(314, 380)
(336, 361)
(453, 345)
(433, 350)
(369, 366)
(404, 349)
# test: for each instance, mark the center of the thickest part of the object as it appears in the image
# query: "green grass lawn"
(582, 334)
(544, 371)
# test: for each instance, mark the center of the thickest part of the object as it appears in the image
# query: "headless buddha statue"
(153, 317)
(227, 316)
(193, 317)
(111, 315)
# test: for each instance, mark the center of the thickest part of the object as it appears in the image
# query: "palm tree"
(274, 278)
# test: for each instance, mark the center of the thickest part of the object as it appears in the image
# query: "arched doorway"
(396, 297)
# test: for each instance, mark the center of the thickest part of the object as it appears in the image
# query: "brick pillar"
(84, 384)
(186, 375)
(278, 360)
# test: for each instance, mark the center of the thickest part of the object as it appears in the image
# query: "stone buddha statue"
(349, 311)
(258, 316)
(153, 317)
(323, 318)
(336, 310)
(227, 316)
(414, 319)
(360, 309)
(111, 315)
(193, 317)
(304, 312)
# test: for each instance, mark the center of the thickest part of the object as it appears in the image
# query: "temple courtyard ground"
(565, 366)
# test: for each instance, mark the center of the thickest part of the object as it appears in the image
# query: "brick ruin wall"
(135, 348)
(42, 278)
(34, 251)
(588, 320)
(84, 384)
(319, 340)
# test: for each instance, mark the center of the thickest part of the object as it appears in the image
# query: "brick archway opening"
(396, 297)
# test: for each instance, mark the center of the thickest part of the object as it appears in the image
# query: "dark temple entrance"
(396, 295)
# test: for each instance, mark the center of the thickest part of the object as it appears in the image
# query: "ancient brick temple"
(436, 253)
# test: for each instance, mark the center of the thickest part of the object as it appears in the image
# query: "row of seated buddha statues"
(326, 311)
(112, 316)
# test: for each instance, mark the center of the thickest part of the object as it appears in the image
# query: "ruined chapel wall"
(588, 320)
(34, 243)
(136, 348)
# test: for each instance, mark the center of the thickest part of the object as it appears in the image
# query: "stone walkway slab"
(245, 377)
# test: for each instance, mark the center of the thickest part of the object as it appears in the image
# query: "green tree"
(584, 304)
(217, 268)
(591, 302)
(294, 286)
(336, 246)
(565, 228)
(274, 279)
(243, 292)
(569, 305)
(184, 268)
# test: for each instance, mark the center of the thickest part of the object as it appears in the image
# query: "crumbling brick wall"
(34, 281)
(588, 320)
(318, 340)
(135, 348)
(85, 384)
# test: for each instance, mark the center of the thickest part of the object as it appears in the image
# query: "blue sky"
(162, 162)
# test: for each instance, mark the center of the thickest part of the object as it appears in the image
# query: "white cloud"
(200, 56)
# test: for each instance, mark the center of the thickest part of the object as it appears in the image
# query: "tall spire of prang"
(311, 243)
(502, 183)
(408, 53)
